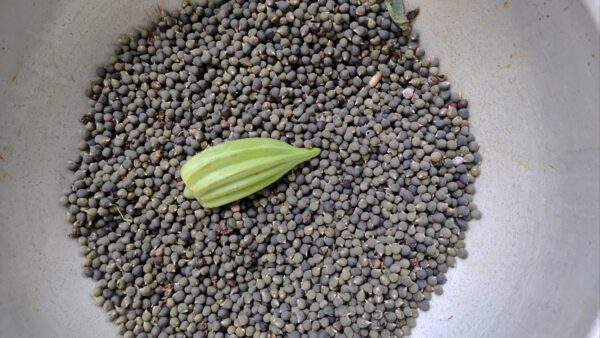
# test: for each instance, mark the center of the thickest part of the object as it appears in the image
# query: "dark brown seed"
(411, 15)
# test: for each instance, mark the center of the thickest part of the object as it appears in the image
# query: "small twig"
(120, 213)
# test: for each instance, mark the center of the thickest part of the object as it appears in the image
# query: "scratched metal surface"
(530, 70)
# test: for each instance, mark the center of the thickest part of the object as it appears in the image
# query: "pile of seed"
(354, 242)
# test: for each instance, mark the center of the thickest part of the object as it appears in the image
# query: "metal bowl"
(529, 68)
